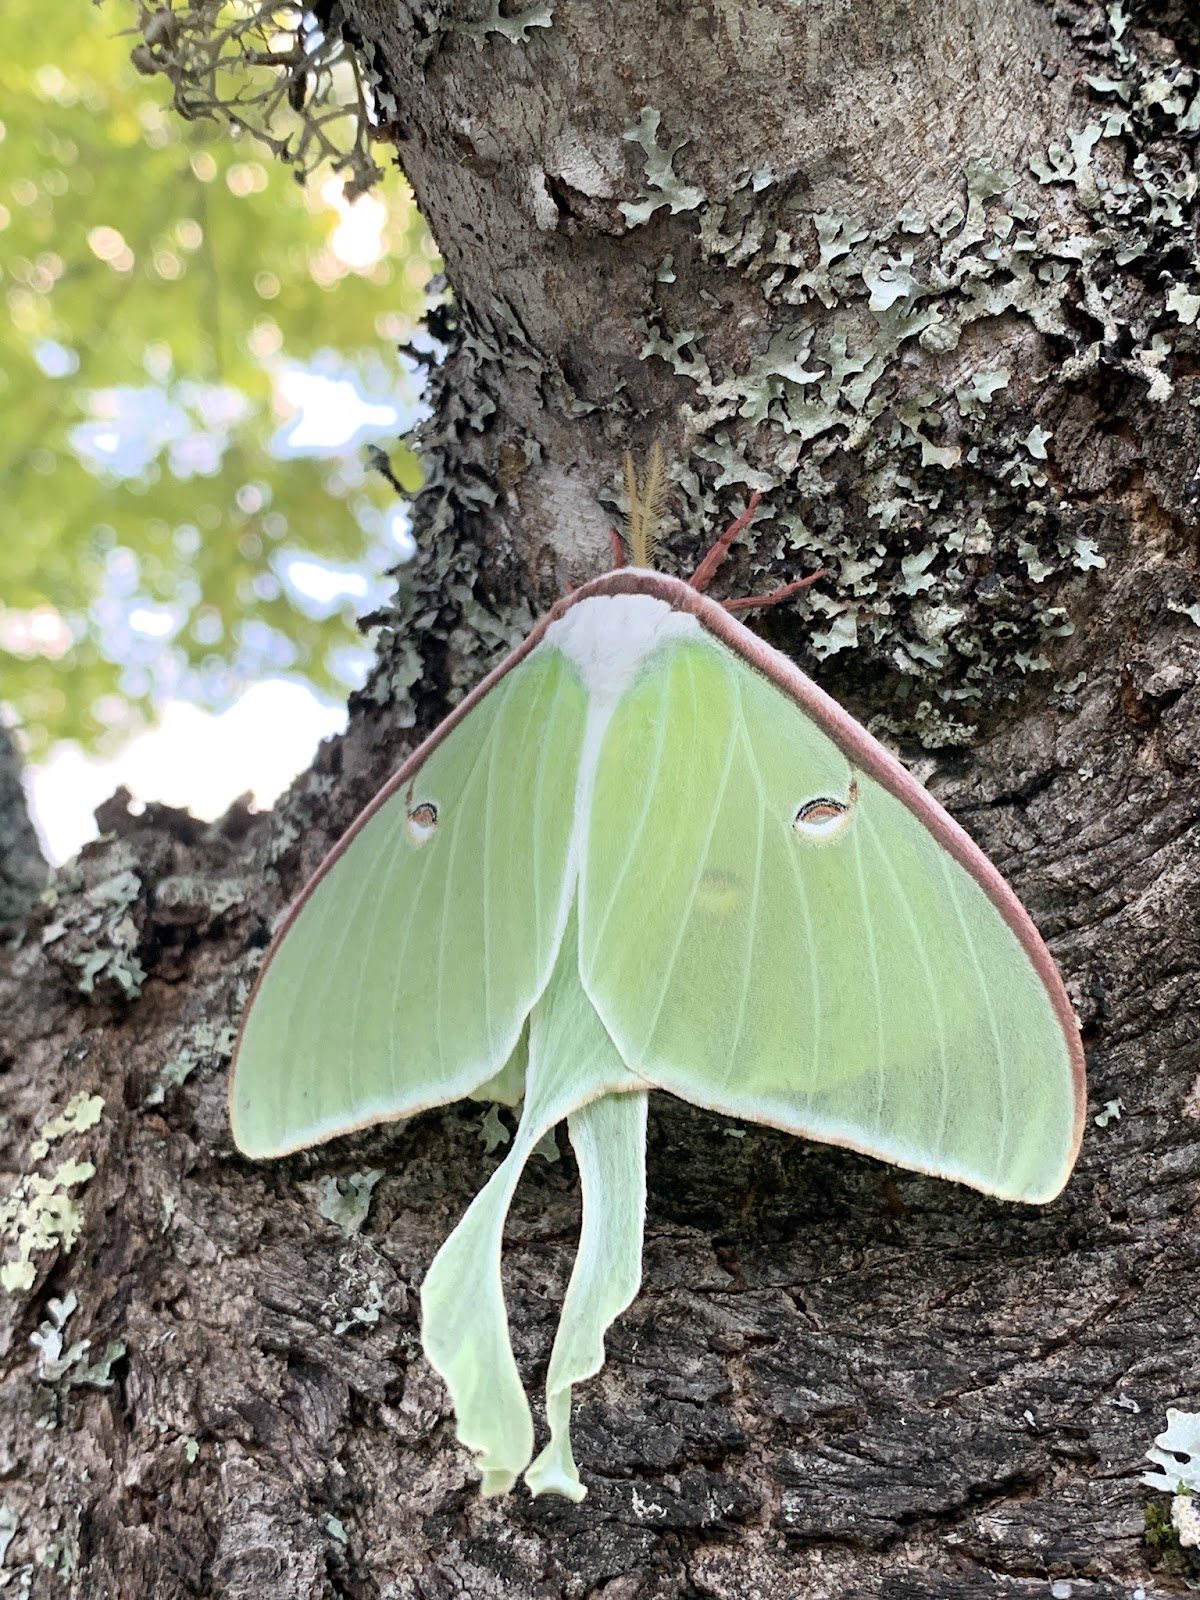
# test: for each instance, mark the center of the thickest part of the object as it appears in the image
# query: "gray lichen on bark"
(900, 359)
(839, 1379)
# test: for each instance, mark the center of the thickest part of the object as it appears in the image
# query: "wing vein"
(701, 857)
(985, 990)
(375, 881)
(918, 943)
(539, 791)
(489, 823)
(760, 788)
(635, 834)
(444, 921)
(873, 956)
(400, 955)
(793, 861)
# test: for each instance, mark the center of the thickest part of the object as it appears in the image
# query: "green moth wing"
(648, 852)
(405, 974)
(823, 950)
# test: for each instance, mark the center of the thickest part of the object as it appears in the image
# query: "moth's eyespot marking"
(824, 818)
(421, 822)
(719, 893)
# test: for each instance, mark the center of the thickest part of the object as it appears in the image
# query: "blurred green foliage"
(171, 294)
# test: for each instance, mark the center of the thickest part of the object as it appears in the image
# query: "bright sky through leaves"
(194, 353)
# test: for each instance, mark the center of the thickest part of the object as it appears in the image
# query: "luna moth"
(648, 852)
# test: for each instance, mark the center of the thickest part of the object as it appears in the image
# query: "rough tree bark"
(22, 869)
(927, 275)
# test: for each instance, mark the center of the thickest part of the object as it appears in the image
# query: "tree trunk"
(907, 270)
(22, 869)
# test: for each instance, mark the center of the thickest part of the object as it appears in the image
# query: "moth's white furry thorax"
(607, 637)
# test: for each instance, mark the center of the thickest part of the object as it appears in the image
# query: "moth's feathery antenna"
(654, 498)
(631, 499)
(645, 504)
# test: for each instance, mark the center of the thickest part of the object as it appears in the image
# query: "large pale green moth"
(648, 852)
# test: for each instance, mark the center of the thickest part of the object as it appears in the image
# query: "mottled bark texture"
(22, 869)
(925, 273)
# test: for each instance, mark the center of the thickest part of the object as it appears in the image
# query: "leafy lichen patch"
(515, 29)
(492, 1132)
(96, 937)
(188, 897)
(663, 184)
(1175, 1468)
(935, 482)
(1185, 1518)
(365, 1314)
(40, 1213)
(943, 512)
(439, 635)
(200, 1045)
(67, 1364)
(1175, 1455)
(79, 1114)
(10, 1524)
(346, 1201)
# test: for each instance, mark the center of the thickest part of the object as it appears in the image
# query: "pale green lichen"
(346, 1201)
(664, 186)
(492, 1131)
(79, 1114)
(1182, 304)
(978, 392)
(100, 935)
(546, 1147)
(184, 893)
(39, 1213)
(1175, 1455)
(953, 613)
(940, 511)
(366, 1314)
(202, 1045)
(514, 29)
(289, 827)
(1111, 1113)
(1035, 442)
(1185, 1519)
(61, 1555)
(64, 1365)
(439, 638)
(1175, 1469)
(98, 1374)
(54, 1358)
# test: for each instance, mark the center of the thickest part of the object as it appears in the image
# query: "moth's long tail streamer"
(464, 1326)
(609, 1138)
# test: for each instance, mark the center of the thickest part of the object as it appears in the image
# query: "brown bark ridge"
(927, 276)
